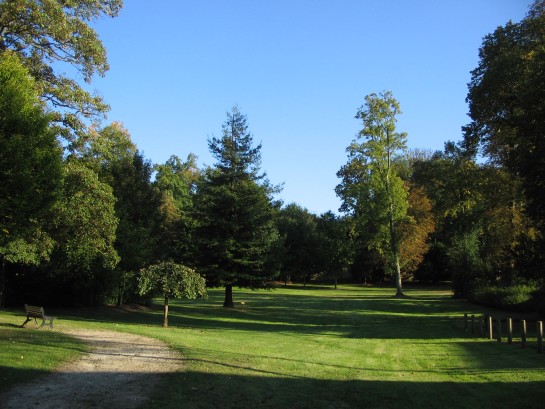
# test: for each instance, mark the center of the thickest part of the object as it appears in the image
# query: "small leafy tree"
(171, 280)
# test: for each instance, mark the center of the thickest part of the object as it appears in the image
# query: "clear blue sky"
(298, 69)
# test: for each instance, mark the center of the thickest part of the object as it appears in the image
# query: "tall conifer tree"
(235, 212)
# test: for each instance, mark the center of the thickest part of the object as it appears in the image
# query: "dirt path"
(120, 372)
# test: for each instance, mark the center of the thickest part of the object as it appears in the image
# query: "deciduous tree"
(507, 104)
(371, 188)
(84, 227)
(177, 182)
(30, 169)
(45, 33)
(171, 280)
(115, 158)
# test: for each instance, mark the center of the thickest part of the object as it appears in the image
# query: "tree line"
(85, 217)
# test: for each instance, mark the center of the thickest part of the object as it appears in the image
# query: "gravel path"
(121, 371)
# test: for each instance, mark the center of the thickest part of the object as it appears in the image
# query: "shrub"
(515, 297)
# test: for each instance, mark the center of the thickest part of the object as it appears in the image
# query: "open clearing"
(315, 347)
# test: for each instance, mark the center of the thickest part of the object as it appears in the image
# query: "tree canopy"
(507, 103)
(44, 33)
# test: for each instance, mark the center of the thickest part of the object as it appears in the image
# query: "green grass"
(28, 353)
(323, 348)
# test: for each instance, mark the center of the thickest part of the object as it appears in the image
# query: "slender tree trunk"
(336, 278)
(399, 290)
(120, 291)
(3, 284)
(395, 253)
(165, 314)
(228, 302)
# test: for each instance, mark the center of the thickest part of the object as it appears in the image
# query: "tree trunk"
(395, 253)
(120, 291)
(3, 284)
(165, 314)
(228, 302)
(399, 290)
(336, 278)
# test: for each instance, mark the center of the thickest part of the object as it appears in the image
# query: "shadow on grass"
(266, 390)
(9, 325)
(351, 312)
(205, 390)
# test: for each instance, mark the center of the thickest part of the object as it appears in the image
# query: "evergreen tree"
(235, 212)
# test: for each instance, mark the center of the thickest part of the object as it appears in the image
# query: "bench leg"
(51, 323)
(43, 323)
(24, 323)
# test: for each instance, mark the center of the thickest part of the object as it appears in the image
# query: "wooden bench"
(37, 312)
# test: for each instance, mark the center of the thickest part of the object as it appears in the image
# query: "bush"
(516, 297)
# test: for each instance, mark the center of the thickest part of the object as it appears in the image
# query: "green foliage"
(300, 251)
(335, 246)
(479, 215)
(45, 33)
(171, 279)
(115, 158)
(177, 181)
(507, 104)
(234, 207)
(30, 170)
(515, 297)
(85, 221)
(371, 188)
(30, 166)
(465, 261)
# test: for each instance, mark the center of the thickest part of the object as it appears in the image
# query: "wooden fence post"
(509, 331)
(498, 320)
(489, 326)
(540, 336)
(465, 322)
(523, 333)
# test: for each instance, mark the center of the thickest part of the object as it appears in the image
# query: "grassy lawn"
(315, 348)
(28, 353)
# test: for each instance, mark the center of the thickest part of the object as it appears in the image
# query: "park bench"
(37, 312)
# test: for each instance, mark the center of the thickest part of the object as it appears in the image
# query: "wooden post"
(465, 322)
(523, 333)
(472, 324)
(499, 329)
(489, 326)
(509, 331)
(540, 336)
